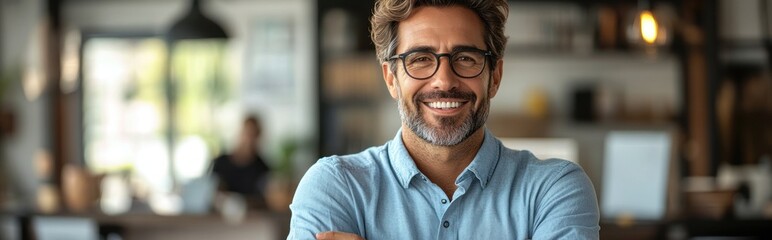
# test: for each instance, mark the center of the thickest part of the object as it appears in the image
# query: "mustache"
(469, 96)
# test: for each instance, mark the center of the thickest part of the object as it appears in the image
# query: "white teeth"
(444, 105)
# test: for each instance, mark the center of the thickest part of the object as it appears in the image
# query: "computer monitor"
(64, 228)
(635, 175)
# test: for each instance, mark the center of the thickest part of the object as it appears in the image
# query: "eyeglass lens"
(466, 64)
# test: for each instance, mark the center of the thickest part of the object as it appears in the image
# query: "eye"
(466, 59)
(421, 59)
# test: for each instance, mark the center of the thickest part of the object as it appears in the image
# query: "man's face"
(444, 109)
(250, 134)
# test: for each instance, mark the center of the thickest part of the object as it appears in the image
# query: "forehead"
(441, 29)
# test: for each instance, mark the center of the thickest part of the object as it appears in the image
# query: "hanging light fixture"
(195, 25)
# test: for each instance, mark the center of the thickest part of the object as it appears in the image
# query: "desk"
(690, 228)
(260, 224)
(257, 225)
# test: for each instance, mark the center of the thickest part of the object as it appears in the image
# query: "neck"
(242, 155)
(442, 164)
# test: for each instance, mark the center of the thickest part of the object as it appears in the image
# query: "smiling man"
(443, 176)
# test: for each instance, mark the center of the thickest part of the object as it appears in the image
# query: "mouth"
(445, 107)
(445, 104)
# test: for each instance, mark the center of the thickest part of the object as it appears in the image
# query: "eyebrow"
(465, 47)
(421, 48)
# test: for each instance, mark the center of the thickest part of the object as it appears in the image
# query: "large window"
(160, 132)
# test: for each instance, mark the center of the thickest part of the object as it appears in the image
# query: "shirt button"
(444, 201)
(446, 224)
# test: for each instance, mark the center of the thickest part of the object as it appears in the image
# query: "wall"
(31, 134)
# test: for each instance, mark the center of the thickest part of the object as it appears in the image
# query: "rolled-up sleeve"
(322, 202)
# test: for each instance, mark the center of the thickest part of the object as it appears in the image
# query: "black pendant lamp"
(195, 25)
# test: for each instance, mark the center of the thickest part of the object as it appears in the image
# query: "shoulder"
(346, 167)
(527, 163)
(556, 181)
(562, 197)
(351, 163)
(544, 173)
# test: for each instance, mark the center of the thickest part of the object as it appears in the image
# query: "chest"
(424, 211)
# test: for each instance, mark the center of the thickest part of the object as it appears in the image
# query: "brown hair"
(388, 13)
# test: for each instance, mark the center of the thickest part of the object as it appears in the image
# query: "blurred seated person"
(243, 171)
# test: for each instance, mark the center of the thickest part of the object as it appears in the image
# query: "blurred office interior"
(112, 110)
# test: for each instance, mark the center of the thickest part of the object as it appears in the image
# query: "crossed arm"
(337, 236)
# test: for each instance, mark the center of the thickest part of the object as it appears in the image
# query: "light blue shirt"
(503, 194)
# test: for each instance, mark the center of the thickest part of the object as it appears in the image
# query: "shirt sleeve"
(569, 208)
(322, 202)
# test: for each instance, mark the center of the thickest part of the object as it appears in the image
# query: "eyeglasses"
(422, 64)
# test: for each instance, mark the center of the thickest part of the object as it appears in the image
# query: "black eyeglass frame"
(486, 54)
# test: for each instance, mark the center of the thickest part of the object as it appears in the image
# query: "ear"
(389, 78)
(496, 78)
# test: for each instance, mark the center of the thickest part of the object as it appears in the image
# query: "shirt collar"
(482, 165)
(403, 164)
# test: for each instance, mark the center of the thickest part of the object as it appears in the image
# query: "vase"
(78, 187)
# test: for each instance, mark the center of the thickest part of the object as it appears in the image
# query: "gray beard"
(450, 132)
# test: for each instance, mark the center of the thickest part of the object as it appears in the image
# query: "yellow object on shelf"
(537, 104)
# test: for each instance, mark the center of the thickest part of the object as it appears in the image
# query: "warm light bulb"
(649, 27)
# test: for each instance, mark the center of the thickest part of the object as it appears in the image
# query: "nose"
(444, 79)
